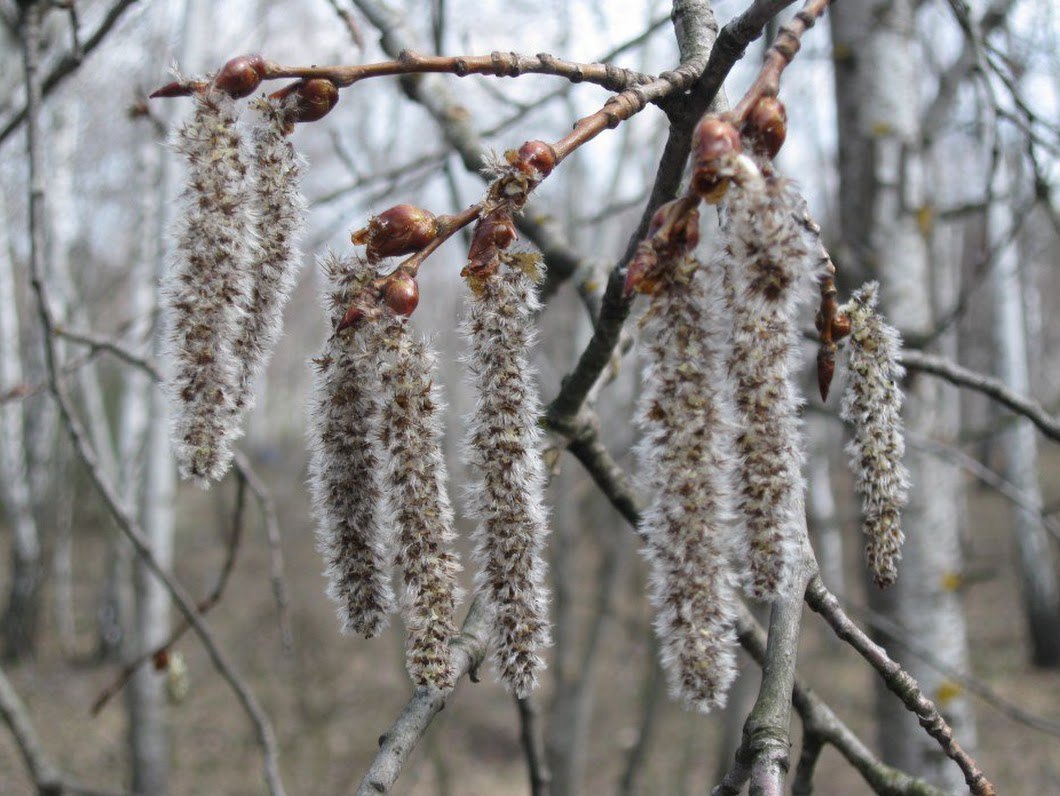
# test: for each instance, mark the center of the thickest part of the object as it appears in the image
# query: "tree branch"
(398, 742)
(533, 747)
(988, 385)
(899, 682)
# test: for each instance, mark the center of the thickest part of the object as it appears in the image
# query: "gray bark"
(20, 620)
(881, 190)
(1037, 574)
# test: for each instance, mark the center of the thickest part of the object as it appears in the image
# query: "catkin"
(872, 404)
(415, 483)
(768, 271)
(344, 464)
(686, 465)
(206, 290)
(278, 209)
(503, 449)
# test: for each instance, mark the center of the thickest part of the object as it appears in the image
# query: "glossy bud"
(536, 158)
(492, 234)
(643, 263)
(713, 143)
(316, 98)
(401, 230)
(240, 76)
(401, 293)
(767, 126)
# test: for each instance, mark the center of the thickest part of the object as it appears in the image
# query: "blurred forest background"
(945, 188)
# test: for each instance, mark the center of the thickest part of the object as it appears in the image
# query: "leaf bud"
(535, 159)
(401, 293)
(713, 143)
(401, 230)
(240, 76)
(316, 98)
(766, 126)
(492, 234)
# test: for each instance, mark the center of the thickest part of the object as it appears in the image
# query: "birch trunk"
(881, 190)
(1037, 573)
(20, 621)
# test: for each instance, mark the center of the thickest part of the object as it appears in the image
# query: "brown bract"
(400, 230)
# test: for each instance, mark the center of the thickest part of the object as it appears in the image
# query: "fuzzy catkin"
(415, 481)
(686, 465)
(503, 450)
(344, 466)
(278, 209)
(768, 271)
(207, 288)
(872, 404)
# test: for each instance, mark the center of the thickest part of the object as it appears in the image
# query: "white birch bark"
(1037, 573)
(881, 186)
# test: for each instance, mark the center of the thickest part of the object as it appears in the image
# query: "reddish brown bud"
(825, 368)
(316, 98)
(401, 293)
(640, 267)
(160, 660)
(240, 76)
(713, 143)
(536, 159)
(492, 234)
(350, 318)
(767, 126)
(840, 327)
(178, 88)
(403, 229)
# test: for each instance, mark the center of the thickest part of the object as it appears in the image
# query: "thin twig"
(30, 28)
(988, 385)
(204, 606)
(899, 682)
(530, 737)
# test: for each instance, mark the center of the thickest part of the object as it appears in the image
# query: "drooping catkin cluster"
(503, 449)
(206, 289)
(872, 404)
(415, 476)
(768, 273)
(278, 209)
(236, 262)
(344, 467)
(687, 465)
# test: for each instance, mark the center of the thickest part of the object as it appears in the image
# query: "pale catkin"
(872, 405)
(277, 209)
(206, 290)
(410, 431)
(768, 273)
(686, 465)
(344, 465)
(504, 453)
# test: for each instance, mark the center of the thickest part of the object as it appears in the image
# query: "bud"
(316, 98)
(535, 158)
(401, 230)
(713, 142)
(401, 293)
(766, 126)
(644, 263)
(240, 76)
(492, 234)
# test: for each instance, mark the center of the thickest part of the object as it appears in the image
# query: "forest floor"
(331, 696)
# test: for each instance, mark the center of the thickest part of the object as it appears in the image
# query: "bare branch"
(397, 744)
(530, 737)
(988, 385)
(899, 682)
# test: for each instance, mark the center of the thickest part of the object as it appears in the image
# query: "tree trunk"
(1037, 574)
(881, 192)
(20, 623)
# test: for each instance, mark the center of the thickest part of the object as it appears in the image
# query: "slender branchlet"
(278, 209)
(872, 404)
(344, 466)
(415, 484)
(686, 466)
(503, 448)
(207, 290)
(768, 273)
